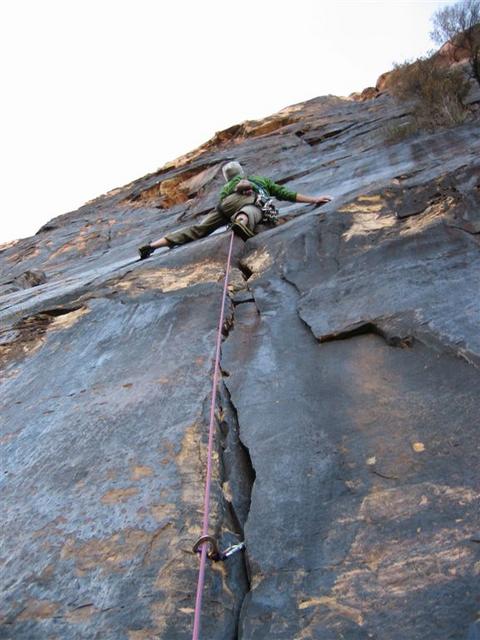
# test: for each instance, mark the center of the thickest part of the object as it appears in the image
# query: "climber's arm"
(313, 199)
(282, 193)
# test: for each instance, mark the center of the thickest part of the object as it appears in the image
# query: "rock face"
(347, 449)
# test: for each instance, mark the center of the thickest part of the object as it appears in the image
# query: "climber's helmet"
(232, 170)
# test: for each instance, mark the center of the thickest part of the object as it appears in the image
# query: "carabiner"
(213, 552)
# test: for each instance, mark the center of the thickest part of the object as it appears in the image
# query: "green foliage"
(437, 95)
(455, 20)
(459, 24)
(435, 91)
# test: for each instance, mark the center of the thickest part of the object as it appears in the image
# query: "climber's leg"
(249, 215)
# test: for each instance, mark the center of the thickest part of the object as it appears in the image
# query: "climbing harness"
(206, 545)
(265, 203)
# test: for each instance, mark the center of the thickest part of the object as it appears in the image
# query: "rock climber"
(244, 200)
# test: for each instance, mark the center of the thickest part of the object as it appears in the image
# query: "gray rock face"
(347, 448)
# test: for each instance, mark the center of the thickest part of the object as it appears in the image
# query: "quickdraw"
(268, 209)
(213, 552)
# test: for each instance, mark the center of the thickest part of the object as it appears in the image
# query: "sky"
(97, 93)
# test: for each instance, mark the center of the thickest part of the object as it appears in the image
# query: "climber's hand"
(244, 187)
(322, 199)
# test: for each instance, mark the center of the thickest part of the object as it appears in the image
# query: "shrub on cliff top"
(437, 94)
(459, 25)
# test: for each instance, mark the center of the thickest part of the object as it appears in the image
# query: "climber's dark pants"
(229, 208)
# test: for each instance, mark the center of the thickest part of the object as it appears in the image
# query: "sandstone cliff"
(347, 447)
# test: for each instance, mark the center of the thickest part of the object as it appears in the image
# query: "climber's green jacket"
(263, 186)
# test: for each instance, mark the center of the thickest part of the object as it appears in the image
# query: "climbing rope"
(205, 540)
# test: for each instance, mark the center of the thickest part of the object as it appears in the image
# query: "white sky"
(96, 93)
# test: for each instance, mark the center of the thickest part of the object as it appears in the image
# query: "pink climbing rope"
(211, 429)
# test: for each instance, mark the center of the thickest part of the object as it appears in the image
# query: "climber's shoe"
(240, 229)
(145, 251)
